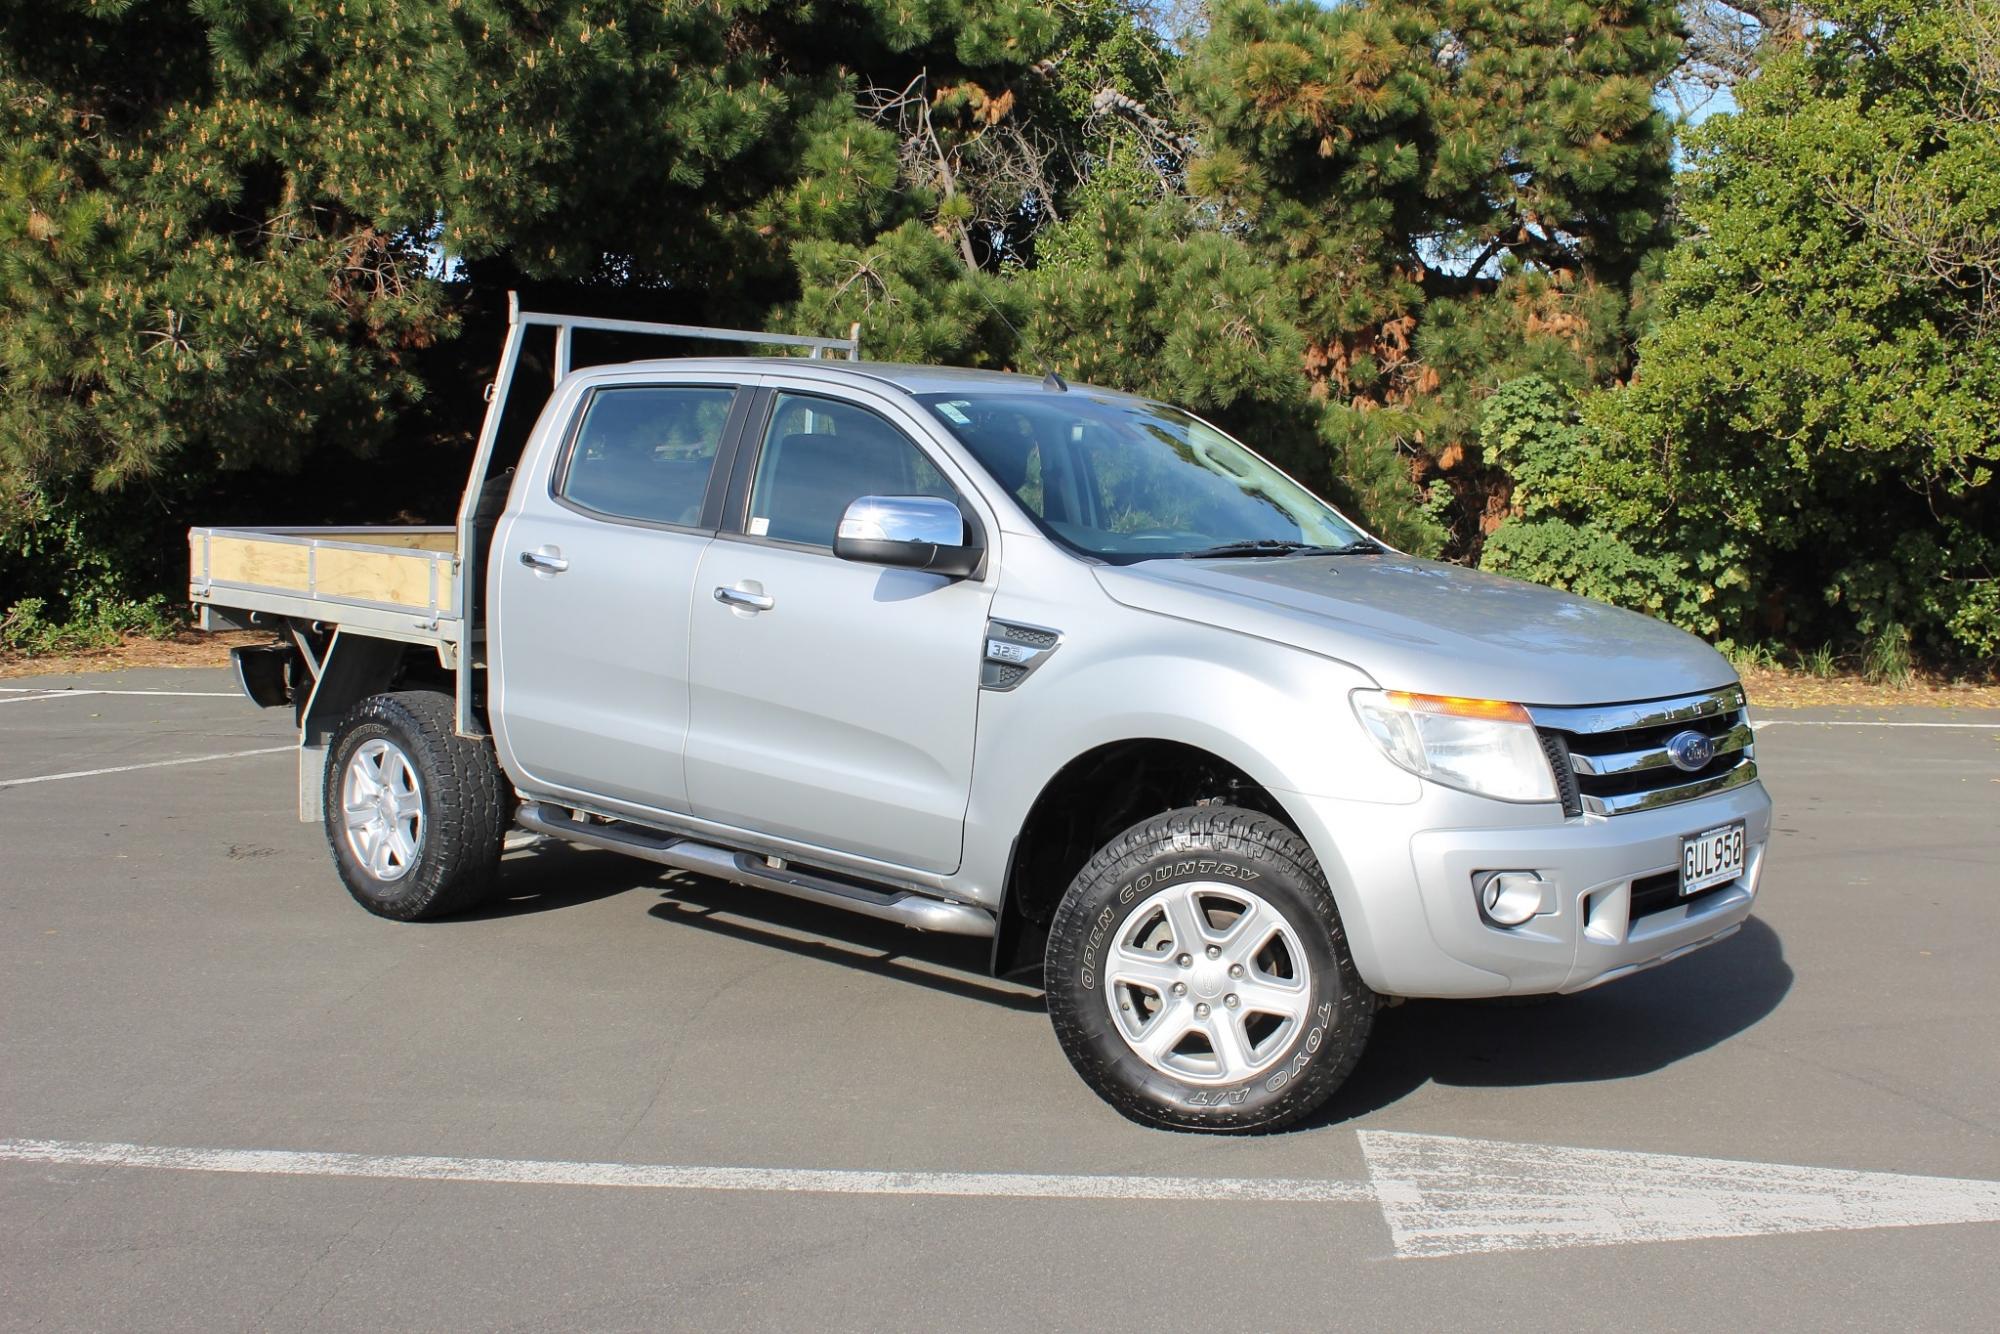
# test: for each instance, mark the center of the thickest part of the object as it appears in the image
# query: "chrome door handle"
(736, 597)
(544, 561)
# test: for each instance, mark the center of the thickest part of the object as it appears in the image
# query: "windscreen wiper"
(1366, 546)
(1261, 546)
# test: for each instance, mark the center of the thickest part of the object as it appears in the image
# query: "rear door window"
(645, 452)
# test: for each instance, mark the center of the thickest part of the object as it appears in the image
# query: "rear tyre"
(414, 812)
(1198, 977)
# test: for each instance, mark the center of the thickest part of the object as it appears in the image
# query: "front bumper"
(1403, 877)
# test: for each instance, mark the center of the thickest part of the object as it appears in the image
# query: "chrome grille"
(1618, 758)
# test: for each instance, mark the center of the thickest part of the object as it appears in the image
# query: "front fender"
(1277, 713)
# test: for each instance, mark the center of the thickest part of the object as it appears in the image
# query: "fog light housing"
(1509, 898)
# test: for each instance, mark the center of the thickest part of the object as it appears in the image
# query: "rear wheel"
(1198, 977)
(414, 812)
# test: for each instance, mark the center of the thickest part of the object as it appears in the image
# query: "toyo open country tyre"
(414, 812)
(1198, 977)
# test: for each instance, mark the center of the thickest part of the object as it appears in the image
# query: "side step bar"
(684, 854)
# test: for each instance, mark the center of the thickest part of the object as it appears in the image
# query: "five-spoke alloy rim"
(383, 803)
(1208, 983)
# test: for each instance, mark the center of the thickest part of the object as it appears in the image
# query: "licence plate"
(1713, 857)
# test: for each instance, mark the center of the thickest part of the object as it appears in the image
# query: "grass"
(1759, 657)
(1820, 663)
(1887, 660)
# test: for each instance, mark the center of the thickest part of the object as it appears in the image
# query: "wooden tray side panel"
(381, 576)
(245, 560)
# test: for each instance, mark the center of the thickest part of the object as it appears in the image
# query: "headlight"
(1485, 746)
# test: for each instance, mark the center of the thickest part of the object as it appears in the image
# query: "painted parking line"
(786, 1180)
(150, 764)
(1761, 723)
(23, 695)
(1440, 1195)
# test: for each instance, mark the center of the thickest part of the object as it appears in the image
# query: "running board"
(685, 854)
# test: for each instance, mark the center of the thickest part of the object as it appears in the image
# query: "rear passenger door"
(590, 620)
(834, 703)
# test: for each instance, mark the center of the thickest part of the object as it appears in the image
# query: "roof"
(910, 379)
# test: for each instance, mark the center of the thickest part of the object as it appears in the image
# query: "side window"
(645, 452)
(819, 456)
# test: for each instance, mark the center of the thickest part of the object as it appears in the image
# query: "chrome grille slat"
(1618, 759)
(1589, 719)
(1743, 773)
(1638, 761)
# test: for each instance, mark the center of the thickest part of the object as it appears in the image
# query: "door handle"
(544, 562)
(736, 597)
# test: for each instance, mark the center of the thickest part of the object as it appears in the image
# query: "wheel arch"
(1080, 808)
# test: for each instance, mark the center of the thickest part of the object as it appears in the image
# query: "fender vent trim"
(1013, 652)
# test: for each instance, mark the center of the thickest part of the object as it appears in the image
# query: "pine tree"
(226, 225)
(1459, 191)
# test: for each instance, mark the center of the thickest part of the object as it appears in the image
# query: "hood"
(1431, 628)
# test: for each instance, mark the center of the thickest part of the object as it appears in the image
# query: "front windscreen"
(1125, 480)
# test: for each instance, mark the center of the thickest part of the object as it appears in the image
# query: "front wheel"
(414, 812)
(1198, 977)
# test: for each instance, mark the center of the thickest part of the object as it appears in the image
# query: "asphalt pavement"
(623, 1098)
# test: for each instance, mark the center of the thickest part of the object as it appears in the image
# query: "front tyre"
(414, 812)
(1198, 977)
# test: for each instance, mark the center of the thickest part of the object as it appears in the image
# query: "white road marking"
(25, 695)
(1761, 723)
(1439, 1194)
(150, 764)
(530, 1172)
(1447, 1196)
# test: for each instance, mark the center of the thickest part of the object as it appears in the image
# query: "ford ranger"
(1055, 666)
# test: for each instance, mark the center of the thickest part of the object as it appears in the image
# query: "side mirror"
(909, 532)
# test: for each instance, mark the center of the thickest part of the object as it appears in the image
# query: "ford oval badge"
(1690, 750)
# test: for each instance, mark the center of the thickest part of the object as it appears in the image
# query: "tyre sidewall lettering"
(1315, 1037)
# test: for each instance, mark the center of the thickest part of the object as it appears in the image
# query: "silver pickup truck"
(1010, 658)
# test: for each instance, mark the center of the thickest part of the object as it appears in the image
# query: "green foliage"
(1821, 663)
(911, 294)
(1404, 247)
(1580, 517)
(72, 575)
(1459, 192)
(1148, 300)
(1887, 661)
(1822, 389)
(26, 629)
(1147, 304)
(237, 235)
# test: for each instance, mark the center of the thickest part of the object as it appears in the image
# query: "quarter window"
(645, 452)
(819, 456)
